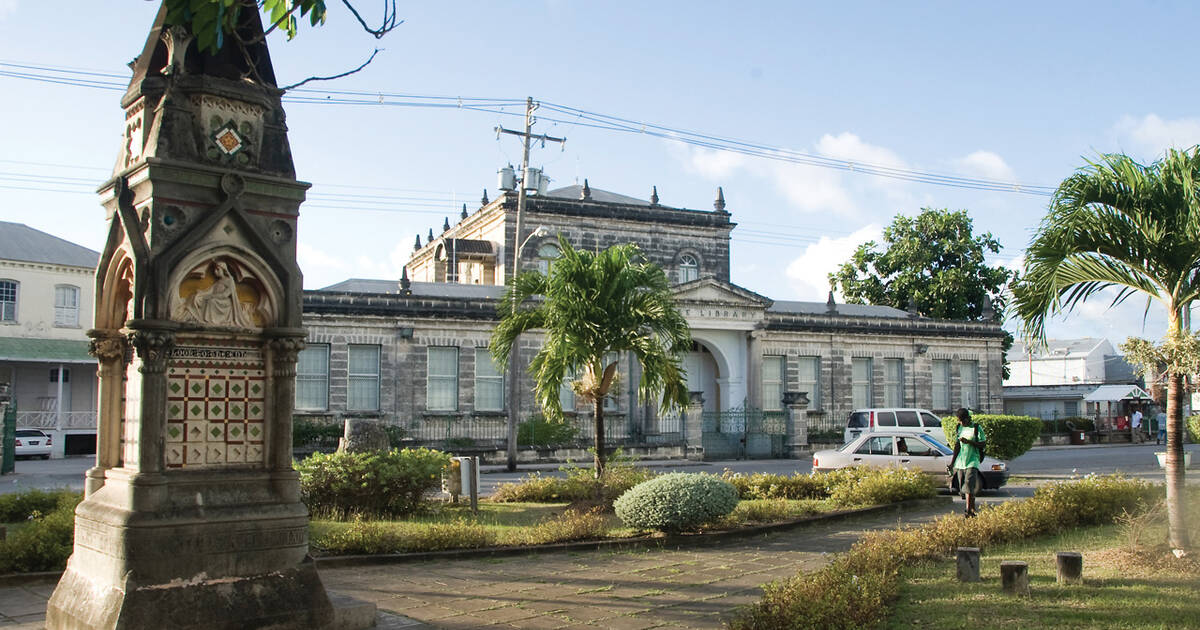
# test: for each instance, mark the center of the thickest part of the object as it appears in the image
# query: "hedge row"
(1008, 437)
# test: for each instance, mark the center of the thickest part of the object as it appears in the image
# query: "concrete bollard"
(1070, 567)
(968, 564)
(1014, 577)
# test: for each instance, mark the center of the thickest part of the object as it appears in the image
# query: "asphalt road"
(1042, 462)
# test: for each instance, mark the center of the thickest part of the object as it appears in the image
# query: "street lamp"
(514, 363)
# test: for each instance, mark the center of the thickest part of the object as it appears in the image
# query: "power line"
(577, 117)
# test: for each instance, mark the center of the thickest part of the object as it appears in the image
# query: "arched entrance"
(703, 372)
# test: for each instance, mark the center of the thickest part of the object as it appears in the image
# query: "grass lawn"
(1121, 588)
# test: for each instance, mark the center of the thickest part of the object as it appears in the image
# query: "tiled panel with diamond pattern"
(216, 404)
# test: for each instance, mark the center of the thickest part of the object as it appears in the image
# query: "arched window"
(545, 255)
(8, 300)
(66, 306)
(689, 269)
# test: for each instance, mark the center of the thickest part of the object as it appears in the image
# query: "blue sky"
(1018, 92)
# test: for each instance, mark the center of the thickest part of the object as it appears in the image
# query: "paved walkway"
(670, 589)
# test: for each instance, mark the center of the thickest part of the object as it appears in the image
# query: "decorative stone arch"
(257, 287)
(113, 302)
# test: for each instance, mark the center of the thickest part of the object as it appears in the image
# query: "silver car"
(917, 451)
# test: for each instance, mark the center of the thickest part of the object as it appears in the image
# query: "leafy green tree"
(591, 305)
(212, 21)
(1119, 224)
(933, 263)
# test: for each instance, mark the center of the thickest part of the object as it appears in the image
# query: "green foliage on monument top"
(1008, 437)
(211, 21)
(933, 263)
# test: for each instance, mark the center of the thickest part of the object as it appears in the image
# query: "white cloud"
(810, 188)
(7, 7)
(710, 163)
(987, 165)
(849, 147)
(809, 274)
(1150, 135)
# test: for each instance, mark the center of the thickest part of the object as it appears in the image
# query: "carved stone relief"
(221, 292)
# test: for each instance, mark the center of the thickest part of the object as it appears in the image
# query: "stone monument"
(192, 516)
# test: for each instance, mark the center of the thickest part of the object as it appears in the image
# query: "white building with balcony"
(47, 288)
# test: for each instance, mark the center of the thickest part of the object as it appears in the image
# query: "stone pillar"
(193, 517)
(1070, 567)
(968, 564)
(1014, 577)
(693, 427)
(754, 371)
(797, 425)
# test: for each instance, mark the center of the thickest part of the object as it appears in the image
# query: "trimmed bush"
(1193, 427)
(1007, 436)
(365, 537)
(44, 543)
(769, 486)
(676, 502)
(570, 525)
(316, 433)
(380, 483)
(887, 485)
(858, 588)
(19, 506)
(580, 484)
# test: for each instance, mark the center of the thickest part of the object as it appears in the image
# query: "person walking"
(1160, 423)
(969, 444)
(1135, 425)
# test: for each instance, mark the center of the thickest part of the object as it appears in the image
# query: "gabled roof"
(21, 242)
(575, 192)
(1113, 393)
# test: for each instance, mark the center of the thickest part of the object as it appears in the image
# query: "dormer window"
(689, 269)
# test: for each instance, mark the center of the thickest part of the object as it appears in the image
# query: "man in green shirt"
(968, 454)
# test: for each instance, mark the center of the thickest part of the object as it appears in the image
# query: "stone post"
(1070, 567)
(968, 564)
(109, 350)
(1014, 577)
(797, 423)
(693, 427)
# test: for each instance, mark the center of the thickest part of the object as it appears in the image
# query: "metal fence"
(55, 420)
(743, 433)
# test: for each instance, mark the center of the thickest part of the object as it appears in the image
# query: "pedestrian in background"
(1160, 423)
(969, 444)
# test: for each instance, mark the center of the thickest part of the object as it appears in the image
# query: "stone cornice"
(881, 325)
(380, 304)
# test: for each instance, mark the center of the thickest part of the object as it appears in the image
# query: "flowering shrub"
(676, 502)
(380, 483)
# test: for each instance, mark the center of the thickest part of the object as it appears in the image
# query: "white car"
(883, 449)
(908, 420)
(32, 443)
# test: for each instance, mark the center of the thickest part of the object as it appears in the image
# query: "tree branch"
(389, 18)
(336, 76)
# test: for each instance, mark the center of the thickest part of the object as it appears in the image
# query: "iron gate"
(743, 433)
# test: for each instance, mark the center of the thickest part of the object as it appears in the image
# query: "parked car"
(903, 449)
(32, 443)
(891, 418)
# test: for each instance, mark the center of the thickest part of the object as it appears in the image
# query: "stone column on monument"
(797, 428)
(109, 350)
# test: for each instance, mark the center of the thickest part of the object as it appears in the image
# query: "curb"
(674, 540)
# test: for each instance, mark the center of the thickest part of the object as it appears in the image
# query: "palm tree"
(1136, 228)
(590, 306)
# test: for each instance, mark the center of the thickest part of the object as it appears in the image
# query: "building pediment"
(710, 303)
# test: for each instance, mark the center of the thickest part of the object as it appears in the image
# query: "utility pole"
(514, 363)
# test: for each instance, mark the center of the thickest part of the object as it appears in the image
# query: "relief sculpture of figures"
(218, 304)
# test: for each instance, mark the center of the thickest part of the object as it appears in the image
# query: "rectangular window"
(773, 372)
(1071, 408)
(861, 377)
(968, 377)
(489, 382)
(312, 378)
(441, 387)
(893, 382)
(810, 380)
(8, 301)
(941, 384)
(363, 394)
(66, 305)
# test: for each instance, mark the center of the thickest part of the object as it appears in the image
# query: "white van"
(894, 419)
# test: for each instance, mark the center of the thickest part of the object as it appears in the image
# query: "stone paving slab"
(692, 588)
